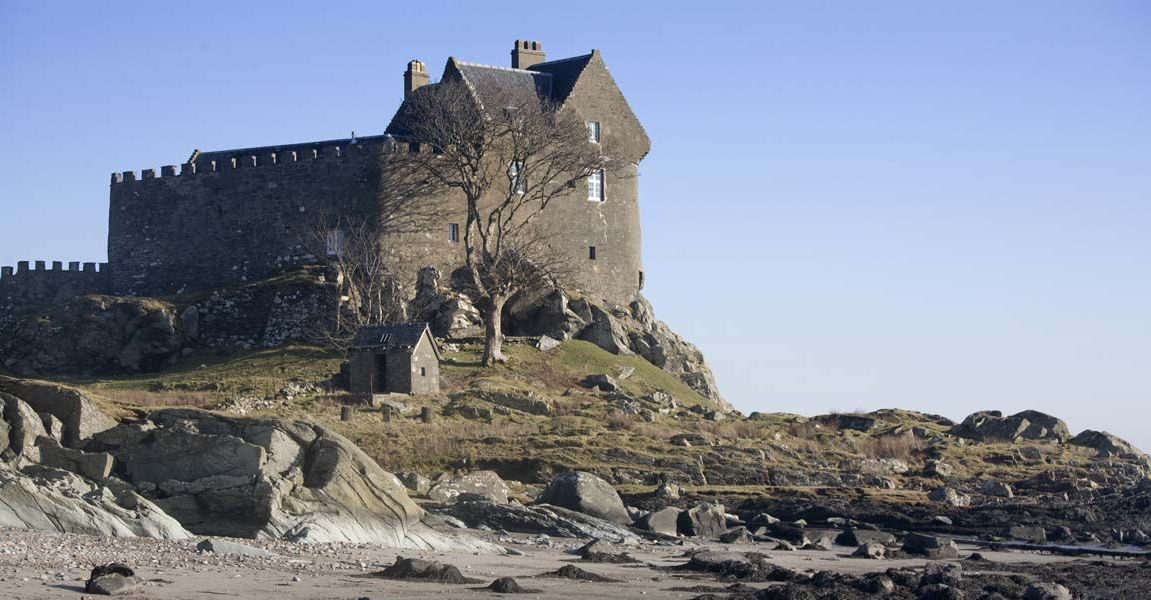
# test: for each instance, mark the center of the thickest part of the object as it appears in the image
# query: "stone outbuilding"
(394, 358)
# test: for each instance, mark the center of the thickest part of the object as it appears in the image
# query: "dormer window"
(593, 132)
(595, 186)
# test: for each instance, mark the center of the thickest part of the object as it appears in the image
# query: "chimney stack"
(526, 54)
(415, 77)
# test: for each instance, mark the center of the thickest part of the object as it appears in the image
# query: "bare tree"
(503, 156)
(369, 293)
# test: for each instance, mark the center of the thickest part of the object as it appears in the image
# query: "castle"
(226, 217)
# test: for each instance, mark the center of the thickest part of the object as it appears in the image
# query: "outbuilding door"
(380, 381)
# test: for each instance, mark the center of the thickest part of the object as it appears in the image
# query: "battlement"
(35, 282)
(227, 161)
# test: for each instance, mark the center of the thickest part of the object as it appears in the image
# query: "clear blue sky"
(936, 206)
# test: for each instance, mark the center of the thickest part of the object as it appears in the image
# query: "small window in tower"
(335, 242)
(453, 232)
(519, 179)
(593, 132)
(591, 252)
(423, 371)
(595, 186)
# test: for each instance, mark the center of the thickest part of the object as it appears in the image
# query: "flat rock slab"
(235, 548)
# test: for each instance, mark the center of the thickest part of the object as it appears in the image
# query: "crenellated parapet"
(36, 282)
(265, 157)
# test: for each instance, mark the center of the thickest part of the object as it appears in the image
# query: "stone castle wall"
(35, 283)
(227, 218)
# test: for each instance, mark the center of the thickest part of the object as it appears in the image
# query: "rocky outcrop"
(78, 414)
(449, 486)
(588, 494)
(241, 477)
(479, 512)
(48, 499)
(101, 334)
(992, 426)
(617, 329)
(1107, 445)
(179, 471)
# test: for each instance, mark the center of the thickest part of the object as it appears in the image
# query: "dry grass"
(150, 399)
(903, 447)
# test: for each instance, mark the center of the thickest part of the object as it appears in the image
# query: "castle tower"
(415, 77)
(526, 54)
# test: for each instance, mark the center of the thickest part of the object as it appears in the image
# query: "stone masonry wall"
(232, 217)
(27, 284)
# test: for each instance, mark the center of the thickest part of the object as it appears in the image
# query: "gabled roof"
(392, 337)
(488, 80)
(564, 73)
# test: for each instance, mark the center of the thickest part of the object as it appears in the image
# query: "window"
(595, 186)
(591, 252)
(453, 232)
(335, 242)
(593, 132)
(520, 182)
(423, 371)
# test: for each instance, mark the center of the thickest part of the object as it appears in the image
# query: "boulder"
(669, 491)
(870, 550)
(736, 535)
(704, 520)
(546, 343)
(216, 546)
(24, 427)
(77, 412)
(847, 421)
(584, 492)
(96, 466)
(1027, 533)
(53, 427)
(1107, 445)
(418, 569)
(931, 546)
(936, 468)
(112, 579)
(998, 489)
(950, 497)
(602, 382)
(479, 512)
(1046, 591)
(859, 537)
(664, 521)
(448, 487)
(529, 401)
(992, 426)
(415, 482)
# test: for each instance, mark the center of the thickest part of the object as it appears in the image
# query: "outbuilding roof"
(392, 337)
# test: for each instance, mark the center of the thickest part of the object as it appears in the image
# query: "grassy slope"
(585, 432)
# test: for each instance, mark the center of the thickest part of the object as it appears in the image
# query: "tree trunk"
(493, 310)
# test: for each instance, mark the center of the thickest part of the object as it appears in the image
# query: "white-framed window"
(593, 132)
(519, 180)
(334, 240)
(453, 232)
(595, 186)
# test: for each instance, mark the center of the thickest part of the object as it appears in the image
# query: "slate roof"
(489, 80)
(564, 74)
(390, 336)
